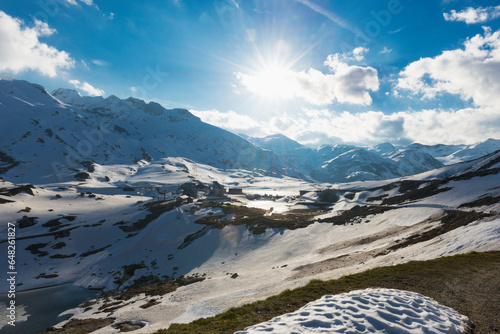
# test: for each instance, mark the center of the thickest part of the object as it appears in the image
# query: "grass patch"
(8, 162)
(256, 219)
(128, 272)
(80, 326)
(411, 191)
(3, 201)
(127, 326)
(95, 251)
(452, 219)
(155, 210)
(356, 214)
(35, 249)
(468, 283)
(483, 201)
(153, 286)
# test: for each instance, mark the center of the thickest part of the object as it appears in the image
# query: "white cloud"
(314, 127)
(465, 126)
(385, 50)
(347, 84)
(435, 126)
(100, 62)
(472, 15)
(366, 127)
(75, 3)
(472, 72)
(396, 31)
(341, 59)
(43, 29)
(21, 50)
(84, 65)
(358, 53)
(229, 120)
(87, 88)
(317, 113)
(337, 19)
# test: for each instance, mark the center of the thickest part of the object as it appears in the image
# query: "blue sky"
(317, 71)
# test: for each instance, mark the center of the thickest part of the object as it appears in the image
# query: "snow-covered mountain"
(356, 165)
(345, 163)
(62, 135)
(58, 135)
(383, 148)
(451, 154)
(474, 151)
(437, 151)
(410, 162)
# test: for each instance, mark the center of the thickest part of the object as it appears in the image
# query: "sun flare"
(270, 81)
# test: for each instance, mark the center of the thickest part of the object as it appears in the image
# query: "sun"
(269, 73)
(271, 81)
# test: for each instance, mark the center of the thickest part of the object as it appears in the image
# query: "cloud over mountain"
(21, 49)
(87, 88)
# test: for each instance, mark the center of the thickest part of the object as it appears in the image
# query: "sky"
(320, 72)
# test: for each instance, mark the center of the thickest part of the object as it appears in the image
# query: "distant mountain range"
(346, 163)
(62, 136)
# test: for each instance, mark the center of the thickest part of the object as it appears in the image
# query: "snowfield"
(368, 311)
(266, 263)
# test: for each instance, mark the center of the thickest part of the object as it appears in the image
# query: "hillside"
(49, 137)
(236, 250)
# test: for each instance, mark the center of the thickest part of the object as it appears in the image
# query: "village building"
(235, 191)
(217, 190)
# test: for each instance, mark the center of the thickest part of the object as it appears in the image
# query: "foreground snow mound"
(369, 311)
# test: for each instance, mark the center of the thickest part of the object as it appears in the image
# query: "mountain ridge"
(73, 131)
(331, 163)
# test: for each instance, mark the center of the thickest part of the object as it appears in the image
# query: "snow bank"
(368, 311)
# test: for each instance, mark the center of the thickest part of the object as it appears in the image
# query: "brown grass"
(468, 283)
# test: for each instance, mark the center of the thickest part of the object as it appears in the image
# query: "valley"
(174, 220)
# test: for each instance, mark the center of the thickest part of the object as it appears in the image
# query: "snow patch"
(368, 311)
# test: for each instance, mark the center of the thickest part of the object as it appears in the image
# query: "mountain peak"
(277, 143)
(113, 99)
(21, 91)
(383, 148)
(66, 95)
(153, 108)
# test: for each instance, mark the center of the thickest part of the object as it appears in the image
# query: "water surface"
(38, 309)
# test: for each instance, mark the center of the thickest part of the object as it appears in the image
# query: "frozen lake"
(38, 309)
